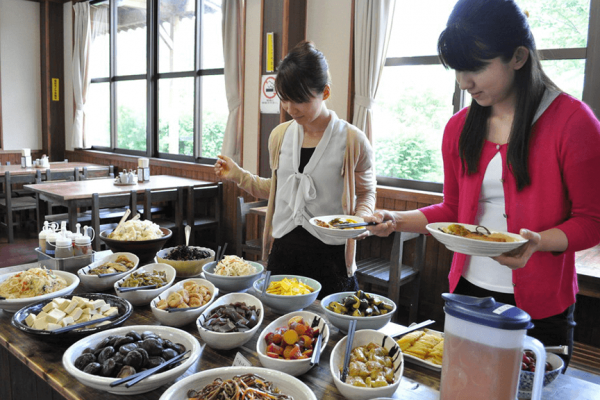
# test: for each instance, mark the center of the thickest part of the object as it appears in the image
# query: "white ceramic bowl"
(144, 296)
(342, 322)
(281, 304)
(14, 305)
(186, 269)
(229, 340)
(152, 382)
(285, 383)
(292, 367)
(363, 338)
(230, 284)
(526, 377)
(187, 316)
(96, 284)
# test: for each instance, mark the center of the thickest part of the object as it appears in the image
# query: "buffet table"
(34, 368)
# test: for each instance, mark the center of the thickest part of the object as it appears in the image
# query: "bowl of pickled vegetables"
(142, 238)
(287, 293)
(371, 311)
(145, 283)
(102, 274)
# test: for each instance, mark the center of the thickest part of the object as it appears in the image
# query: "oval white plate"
(340, 233)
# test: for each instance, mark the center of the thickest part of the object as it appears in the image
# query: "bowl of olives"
(107, 356)
(371, 311)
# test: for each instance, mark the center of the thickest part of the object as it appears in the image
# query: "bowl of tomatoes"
(554, 364)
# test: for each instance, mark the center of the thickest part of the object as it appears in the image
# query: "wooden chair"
(11, 204)
(56, 177)
(394, 275)
(101, 203)
(105, 172)
(204, 214)
(165, 216)
(244, 246)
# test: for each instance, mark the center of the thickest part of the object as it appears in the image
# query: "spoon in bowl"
(188, 230)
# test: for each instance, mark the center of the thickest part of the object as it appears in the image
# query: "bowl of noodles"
(23, 288)
(142, 238)
(232, 273)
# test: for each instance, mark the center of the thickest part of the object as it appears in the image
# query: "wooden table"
(74, 195)
(54, 167)
(35, 370)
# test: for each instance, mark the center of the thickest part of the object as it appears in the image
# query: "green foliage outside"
(131, 130)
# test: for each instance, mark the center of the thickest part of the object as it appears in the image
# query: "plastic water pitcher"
(483, 349)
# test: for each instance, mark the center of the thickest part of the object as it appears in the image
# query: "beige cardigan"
(359, 193)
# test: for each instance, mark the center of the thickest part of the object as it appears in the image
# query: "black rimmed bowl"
(125, 310)
(145, 249)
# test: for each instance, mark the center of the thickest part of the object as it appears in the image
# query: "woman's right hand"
(224, 166)
(386, 224)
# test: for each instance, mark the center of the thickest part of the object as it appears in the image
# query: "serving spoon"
(188, 230)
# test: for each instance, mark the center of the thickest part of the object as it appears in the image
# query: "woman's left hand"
(518, 257)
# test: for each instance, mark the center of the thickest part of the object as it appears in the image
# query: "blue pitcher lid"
(486, 311)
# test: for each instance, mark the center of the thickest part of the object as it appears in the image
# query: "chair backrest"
(204, 211)
(110, 201)
(243, 208)
(20, 179)
(174, 196)
(104, 172)
(65, 176)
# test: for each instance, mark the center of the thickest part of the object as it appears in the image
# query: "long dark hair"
(478, 31)
(302, 74)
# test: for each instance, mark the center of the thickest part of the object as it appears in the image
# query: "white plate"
(340, 233)
(474, 247)
(424, 363)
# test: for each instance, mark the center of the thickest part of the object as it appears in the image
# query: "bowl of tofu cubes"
(46, 319)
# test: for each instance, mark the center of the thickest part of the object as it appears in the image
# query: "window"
(416, 96)
(157, 74)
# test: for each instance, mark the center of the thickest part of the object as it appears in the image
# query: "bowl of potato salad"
(142, 238)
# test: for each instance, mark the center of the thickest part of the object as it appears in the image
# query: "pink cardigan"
(564, 165)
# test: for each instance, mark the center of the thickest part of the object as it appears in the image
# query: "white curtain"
(372, 27)
(233, 51)
(81, 80)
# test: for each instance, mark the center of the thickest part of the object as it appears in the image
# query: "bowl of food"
(154, 278)
(288, 343)
(183, 302)
(554, 364)
(23, 288)
(287, 293)
(230, 321)
(370, 311)
(232, 273)
(214, 381)
(368, 346)
(187, 260)
(136, 347)
(142, 238)
(42, 319)
(102, 275)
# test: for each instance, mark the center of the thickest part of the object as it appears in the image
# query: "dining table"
(77, 194)
(32, 369)
(58, 166)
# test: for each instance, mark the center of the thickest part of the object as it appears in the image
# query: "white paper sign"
(269, 101)
(241, 361)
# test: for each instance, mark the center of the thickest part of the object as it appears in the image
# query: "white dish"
(186, 269)
(155, 381)
(181, 318)
(339, 233)
(144, 296)
(95, 283)
(473, 247)
(284, 382)
(427, 364)
(14, 305)
(342, 322)
(292, 367)
(281, 304)
(229, 340)
(230, 284)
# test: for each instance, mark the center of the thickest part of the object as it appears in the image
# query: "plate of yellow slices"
(327, 225)
(424, 347)
(475, 240)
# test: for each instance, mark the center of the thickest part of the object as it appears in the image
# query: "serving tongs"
(135, 378)
(413, 328)
(133, 289)
(316, 354)
(349, 340)
(83, 324)
(346, 225)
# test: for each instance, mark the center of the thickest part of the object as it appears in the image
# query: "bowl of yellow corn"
(287, 293)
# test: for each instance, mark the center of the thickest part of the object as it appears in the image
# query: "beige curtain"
(372, 27)
(233, 51)
(81, 80)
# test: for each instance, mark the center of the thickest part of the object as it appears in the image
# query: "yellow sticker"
(55, 89)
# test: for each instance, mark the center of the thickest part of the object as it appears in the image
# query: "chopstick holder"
(266, 283)
(135, 378)
(133, 289)
(349, 340)
(82, 324)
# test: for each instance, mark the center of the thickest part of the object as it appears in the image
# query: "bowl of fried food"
(101, 275)
(183, 302)
(187, 260)
(232, 273)
(142, 238)
(371, 311)
(287, 293)
(424, 347)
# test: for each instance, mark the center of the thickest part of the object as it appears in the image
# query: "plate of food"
(423, 347)
(328, 225)
(475, 240)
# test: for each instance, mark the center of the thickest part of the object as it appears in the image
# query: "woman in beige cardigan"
(321, 165)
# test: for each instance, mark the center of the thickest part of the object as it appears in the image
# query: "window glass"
(568, 75)
(97, 115)
(131, 37)
(176, 116)
(177, 24)
(131, 115)
(212, 36)
(214, 115)
(99, 65)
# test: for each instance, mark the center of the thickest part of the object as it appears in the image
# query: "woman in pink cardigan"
(523, 158)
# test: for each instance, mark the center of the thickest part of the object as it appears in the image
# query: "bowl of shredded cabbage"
(142, 238)
(232, 273)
